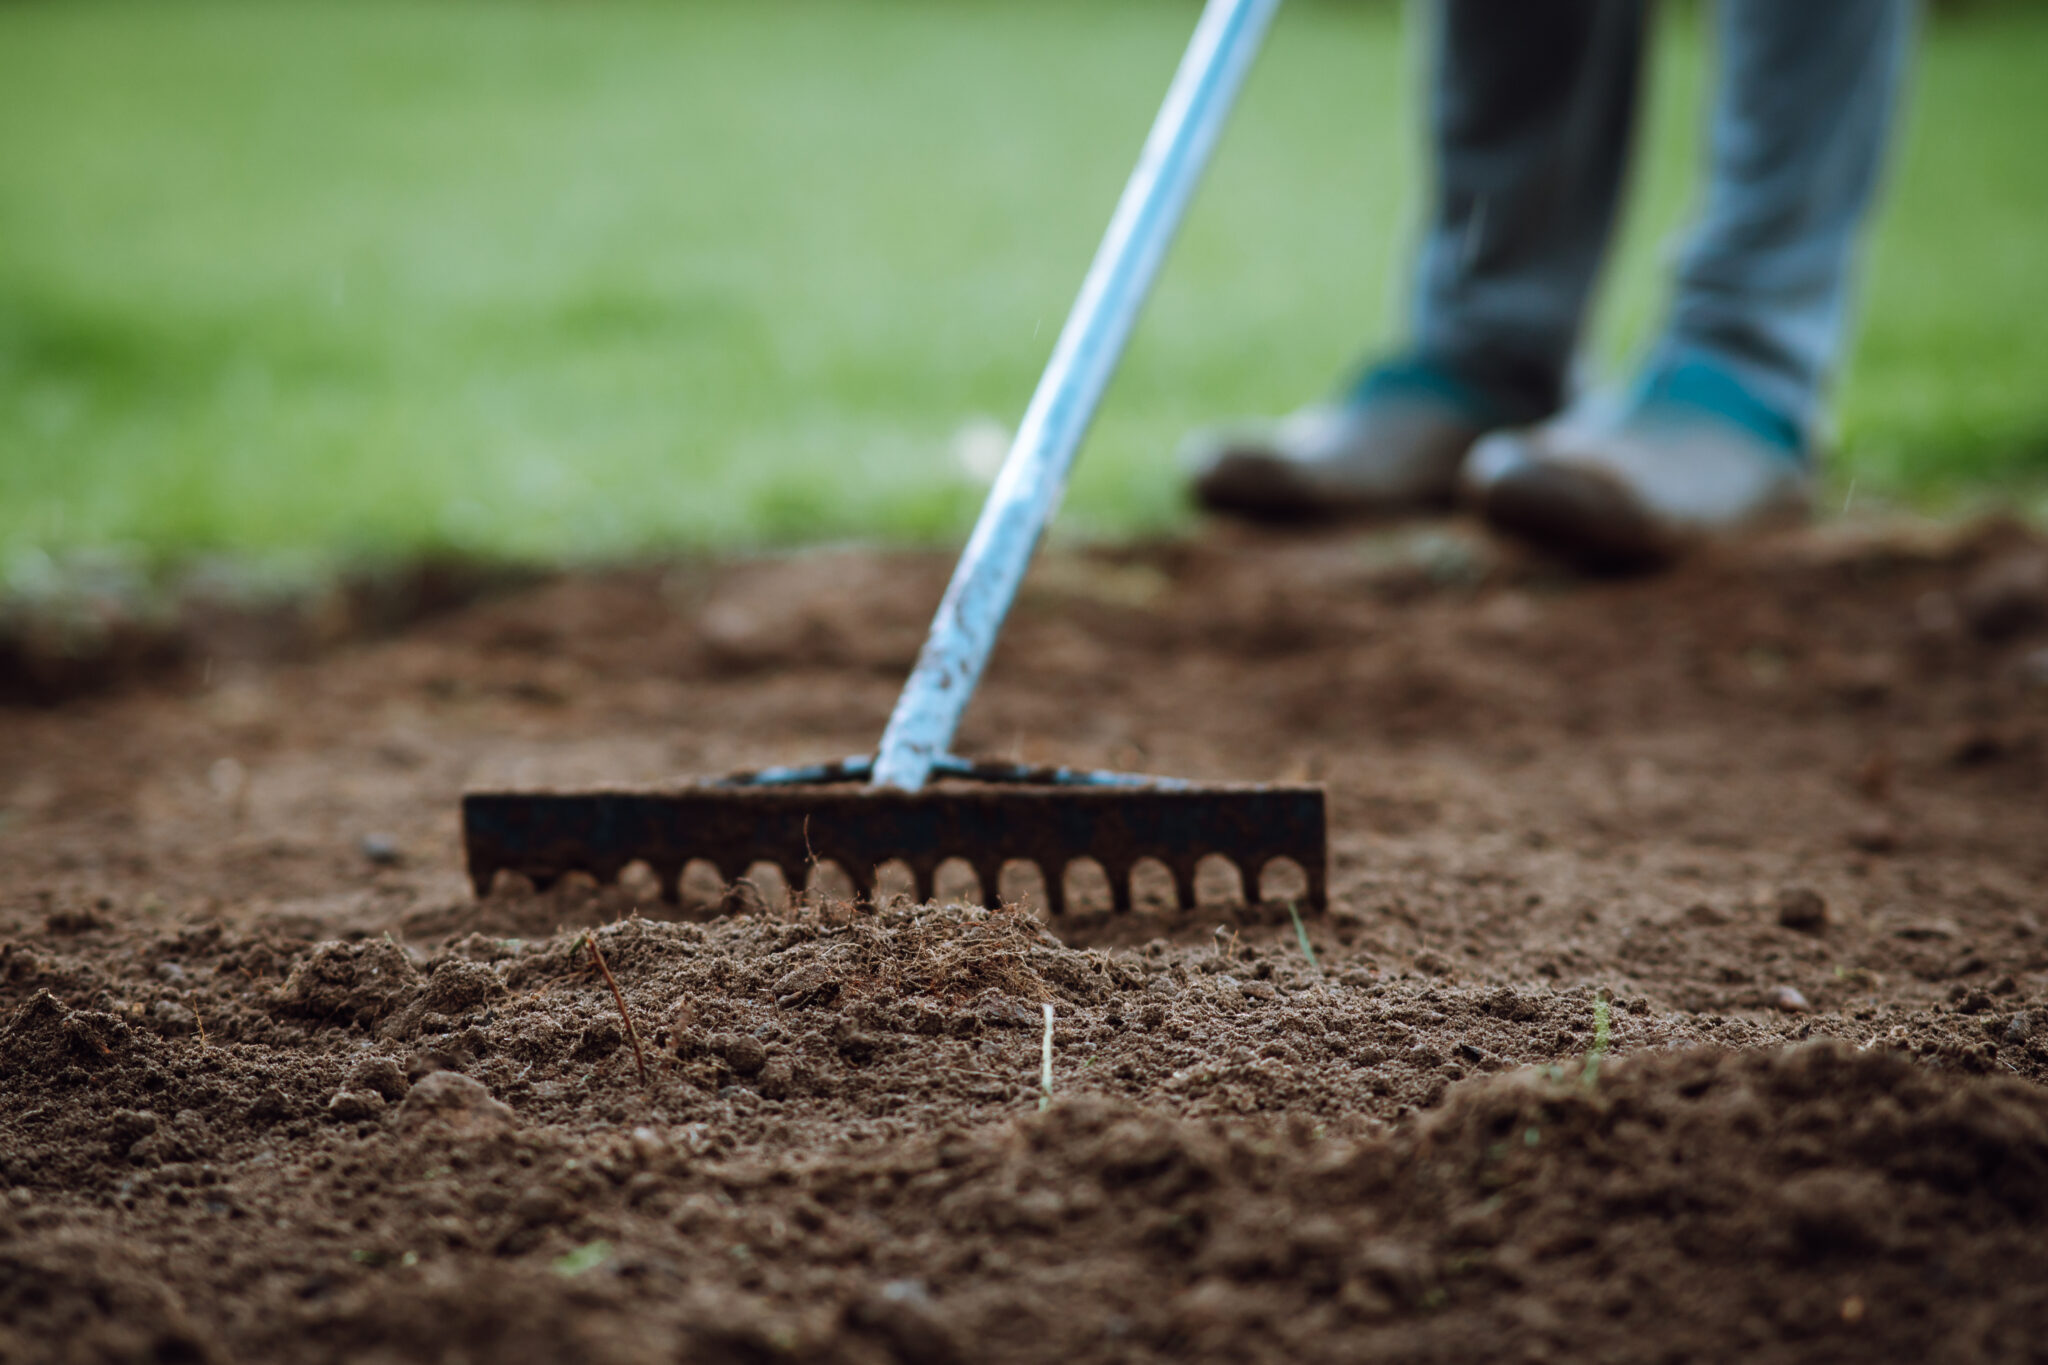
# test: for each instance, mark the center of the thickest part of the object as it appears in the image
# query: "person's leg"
(1532, 121)
(1530, 124)
(1801, 122)
(1717, 435)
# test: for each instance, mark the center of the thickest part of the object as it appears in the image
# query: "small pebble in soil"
(1432, 962)
(743, 1054)
(173, 1019)
(128, 1126)
(1875, 834)
(453, 1098)
(72, 921)
(1803, 909)
(270, 1105)
(539, 1205)
(355, 1106)
(382, 1076)
(381, 849)
(1791, 1000)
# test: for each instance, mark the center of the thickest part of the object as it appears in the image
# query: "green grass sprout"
(587, 1257)
(1590, 1077)
(1301, 936)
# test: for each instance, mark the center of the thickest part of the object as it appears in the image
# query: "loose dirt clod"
(1802, 908)
(453, 1099)
(1791, 1000)
(355, 1106)
(1875, 834)
(379, 1075)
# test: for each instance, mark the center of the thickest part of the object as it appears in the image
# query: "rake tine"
(545, 836)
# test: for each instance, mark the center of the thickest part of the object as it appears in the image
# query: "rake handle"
(1034, 473)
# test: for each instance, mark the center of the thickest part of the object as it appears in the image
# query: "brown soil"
(1684, 995)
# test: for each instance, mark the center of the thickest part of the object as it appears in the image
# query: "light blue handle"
(1034, 474)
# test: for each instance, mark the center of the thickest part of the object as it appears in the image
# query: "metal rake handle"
(1034, 473)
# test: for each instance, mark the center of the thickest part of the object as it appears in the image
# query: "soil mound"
(837, 1159)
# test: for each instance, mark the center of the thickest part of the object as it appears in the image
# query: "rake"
(914, 804)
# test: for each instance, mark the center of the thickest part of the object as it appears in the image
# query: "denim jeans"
(1533, 117)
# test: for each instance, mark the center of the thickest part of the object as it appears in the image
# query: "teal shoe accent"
(1391, 444)
(1703, 386)
(1413, 379)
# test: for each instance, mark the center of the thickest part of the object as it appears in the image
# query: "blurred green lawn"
(541, 279)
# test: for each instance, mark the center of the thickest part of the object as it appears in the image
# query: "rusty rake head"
(988, 816)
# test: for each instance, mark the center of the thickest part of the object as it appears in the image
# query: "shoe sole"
(1257, 491)
(1591, 520)
(1580, 515)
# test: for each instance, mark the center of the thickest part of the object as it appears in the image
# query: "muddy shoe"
(1393, 444)
(1691, 457)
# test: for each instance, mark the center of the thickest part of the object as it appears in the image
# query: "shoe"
(1690, 457)
(1392, 444)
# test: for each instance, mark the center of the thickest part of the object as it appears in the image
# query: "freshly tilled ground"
(1682, 995)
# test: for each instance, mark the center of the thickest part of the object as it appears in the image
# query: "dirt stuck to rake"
(1684, 993)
